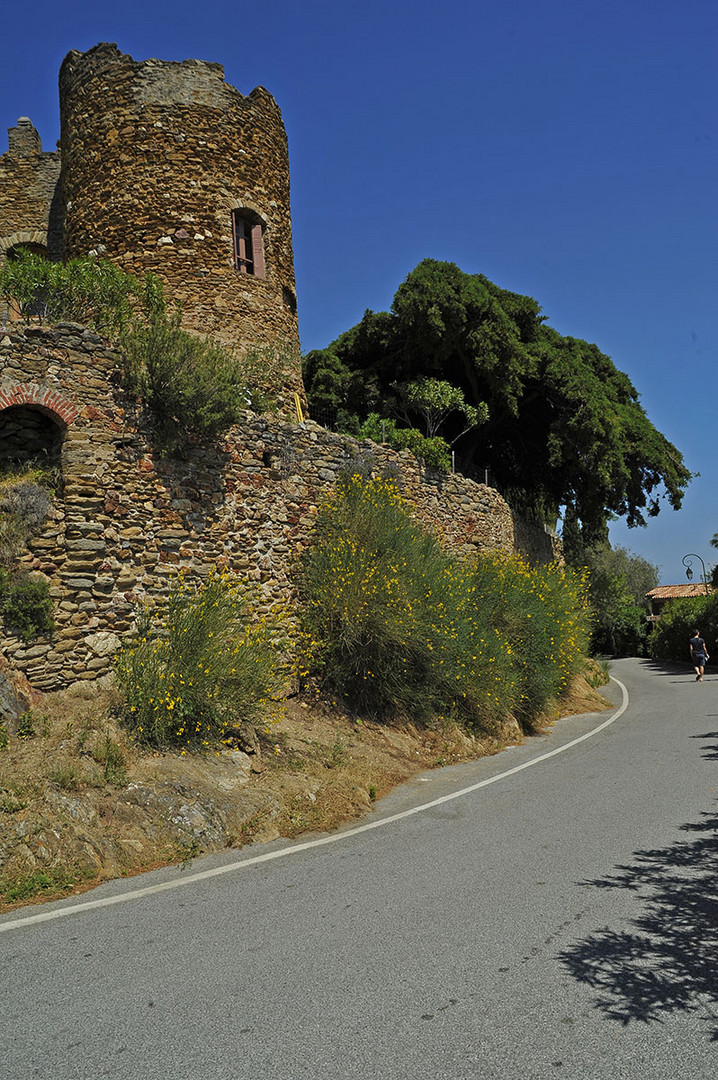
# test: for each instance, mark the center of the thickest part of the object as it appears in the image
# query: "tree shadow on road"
(710, 752)
(668, 964)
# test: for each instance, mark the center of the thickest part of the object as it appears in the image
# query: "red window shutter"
(258, 251)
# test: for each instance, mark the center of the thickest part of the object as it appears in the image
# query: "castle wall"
(127, 521)
(29, 196)
(155, 158)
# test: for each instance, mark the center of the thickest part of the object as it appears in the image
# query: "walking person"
(699, 654)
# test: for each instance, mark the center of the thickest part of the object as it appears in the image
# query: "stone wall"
(127, 521)
(29, 195)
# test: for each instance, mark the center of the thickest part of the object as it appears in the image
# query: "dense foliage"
(618, 582)
(25, 605)
(565, 426)
(93, 292)
(202, 660)
(398, 626)
(679, 618)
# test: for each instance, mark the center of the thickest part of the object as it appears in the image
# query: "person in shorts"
(699, 655)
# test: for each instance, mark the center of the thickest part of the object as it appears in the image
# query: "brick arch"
(59, 408)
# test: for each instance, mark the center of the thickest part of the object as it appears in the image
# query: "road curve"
(556, 919)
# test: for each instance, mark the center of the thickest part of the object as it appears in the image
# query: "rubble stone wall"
(127, 521)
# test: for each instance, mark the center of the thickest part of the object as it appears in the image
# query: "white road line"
(270, 856)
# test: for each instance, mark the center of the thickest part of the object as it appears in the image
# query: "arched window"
(248, 230)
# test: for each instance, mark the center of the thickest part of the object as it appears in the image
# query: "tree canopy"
(565, 427)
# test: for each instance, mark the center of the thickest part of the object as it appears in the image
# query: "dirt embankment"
(79, 803)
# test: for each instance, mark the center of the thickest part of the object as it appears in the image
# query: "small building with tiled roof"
(661, 595)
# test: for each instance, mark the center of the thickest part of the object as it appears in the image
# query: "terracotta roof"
(673, 592)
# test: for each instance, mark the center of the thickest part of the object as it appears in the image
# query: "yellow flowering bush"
(399, 626)
(543, 614)
(201, 661)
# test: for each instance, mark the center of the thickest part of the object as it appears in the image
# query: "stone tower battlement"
(165, 167)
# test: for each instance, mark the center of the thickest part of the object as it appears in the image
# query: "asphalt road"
(560, 921)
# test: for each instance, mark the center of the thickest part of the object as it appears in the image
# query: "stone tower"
(165, 167)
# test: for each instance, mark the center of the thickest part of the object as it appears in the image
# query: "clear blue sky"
(565, 148)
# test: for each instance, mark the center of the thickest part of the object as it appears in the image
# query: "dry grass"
(80, 803)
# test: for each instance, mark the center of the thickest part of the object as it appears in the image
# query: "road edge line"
(294, 849)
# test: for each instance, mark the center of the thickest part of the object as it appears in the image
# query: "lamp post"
(689, 571)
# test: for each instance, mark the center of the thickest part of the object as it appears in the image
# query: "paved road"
(559, 922)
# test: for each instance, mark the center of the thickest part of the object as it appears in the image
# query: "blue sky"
(565, 148)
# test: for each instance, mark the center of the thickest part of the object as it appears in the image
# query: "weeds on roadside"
(597, 673)
(111, 757)
(54, 880)
(25, 727)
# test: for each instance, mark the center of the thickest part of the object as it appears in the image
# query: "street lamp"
(689, 571)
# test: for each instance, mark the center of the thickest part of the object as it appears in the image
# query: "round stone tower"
(168, 168)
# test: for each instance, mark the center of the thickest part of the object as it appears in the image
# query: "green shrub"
(191, 386)
(362, 606)
(434, 452)
(397, 626)
(202, 660)
(4, 736)
(672, 632)
(24, 506)
(26, 607)
(94, 292)
(544, 616)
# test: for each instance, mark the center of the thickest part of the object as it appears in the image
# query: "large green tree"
(565, 428)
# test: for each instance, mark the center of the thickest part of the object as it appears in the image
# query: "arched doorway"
(31, 249)
(28, 434)
(31, 438)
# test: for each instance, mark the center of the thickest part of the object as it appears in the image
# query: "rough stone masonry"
(126, 521)
(164, 167)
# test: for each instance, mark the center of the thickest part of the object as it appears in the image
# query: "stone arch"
(33, 423)
(33, 239)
